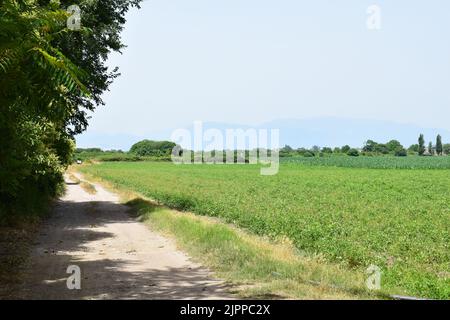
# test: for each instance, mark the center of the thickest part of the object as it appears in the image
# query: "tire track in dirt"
(119, 257)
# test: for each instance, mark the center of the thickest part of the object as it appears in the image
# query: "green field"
(396, 219)
(373, 162)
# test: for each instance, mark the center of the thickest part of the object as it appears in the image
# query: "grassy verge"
(256, 266)
(89, 188)
(86, 186)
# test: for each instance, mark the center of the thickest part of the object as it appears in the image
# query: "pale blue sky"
(252, 61)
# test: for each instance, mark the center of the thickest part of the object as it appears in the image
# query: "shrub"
(446, 148)
(353, 152)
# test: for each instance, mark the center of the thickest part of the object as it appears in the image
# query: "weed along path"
(91, 238)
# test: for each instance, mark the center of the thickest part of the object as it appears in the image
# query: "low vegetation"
(257, 267)
(373, 162)
(96, 154)
(149, 150)
(396, 219)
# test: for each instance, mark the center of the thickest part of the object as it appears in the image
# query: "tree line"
(371, 147)
(162, 151)
(50, 77)
(438, 149)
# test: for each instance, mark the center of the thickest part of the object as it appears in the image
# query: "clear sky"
(252, 61)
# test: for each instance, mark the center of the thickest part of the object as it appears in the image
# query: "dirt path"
(119, 258)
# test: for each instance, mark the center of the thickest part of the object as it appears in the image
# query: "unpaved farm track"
(119, 257)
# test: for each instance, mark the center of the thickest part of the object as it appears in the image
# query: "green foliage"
(286, 151)
(414, 148)
(272, 268)
(48, 75)
(89, 150)
(102, 23)
(439, 145)
(370, 146)
(394, 145)
(36, 81)
(353, 153)
(152, 148)
(396, 219)
(287, 148)
(421, 145)
(446, 148)
(315, 149)
(345, 148)
(308, 154)
(401, 153)
(382, 149)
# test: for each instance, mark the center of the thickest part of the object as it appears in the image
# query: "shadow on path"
(119, 258)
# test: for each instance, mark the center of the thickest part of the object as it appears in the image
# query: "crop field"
(373, 162)
(396, 219)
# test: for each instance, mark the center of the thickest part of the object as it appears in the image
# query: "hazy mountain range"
(323, 131)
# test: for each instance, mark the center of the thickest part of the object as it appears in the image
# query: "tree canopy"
(49, 77)
(152, 148)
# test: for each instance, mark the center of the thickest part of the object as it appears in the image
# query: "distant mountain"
(323, 131)
(334, 132)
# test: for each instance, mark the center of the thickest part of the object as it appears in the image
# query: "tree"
(345, 148)
(286, 151)
(90, 48)
(327, 150)
(381, 148)
(152, 148)
(370, 146)
(430, 148)
(421, 145)
(414, 148)
(49, 77)
(394, 145)
(439, 145)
